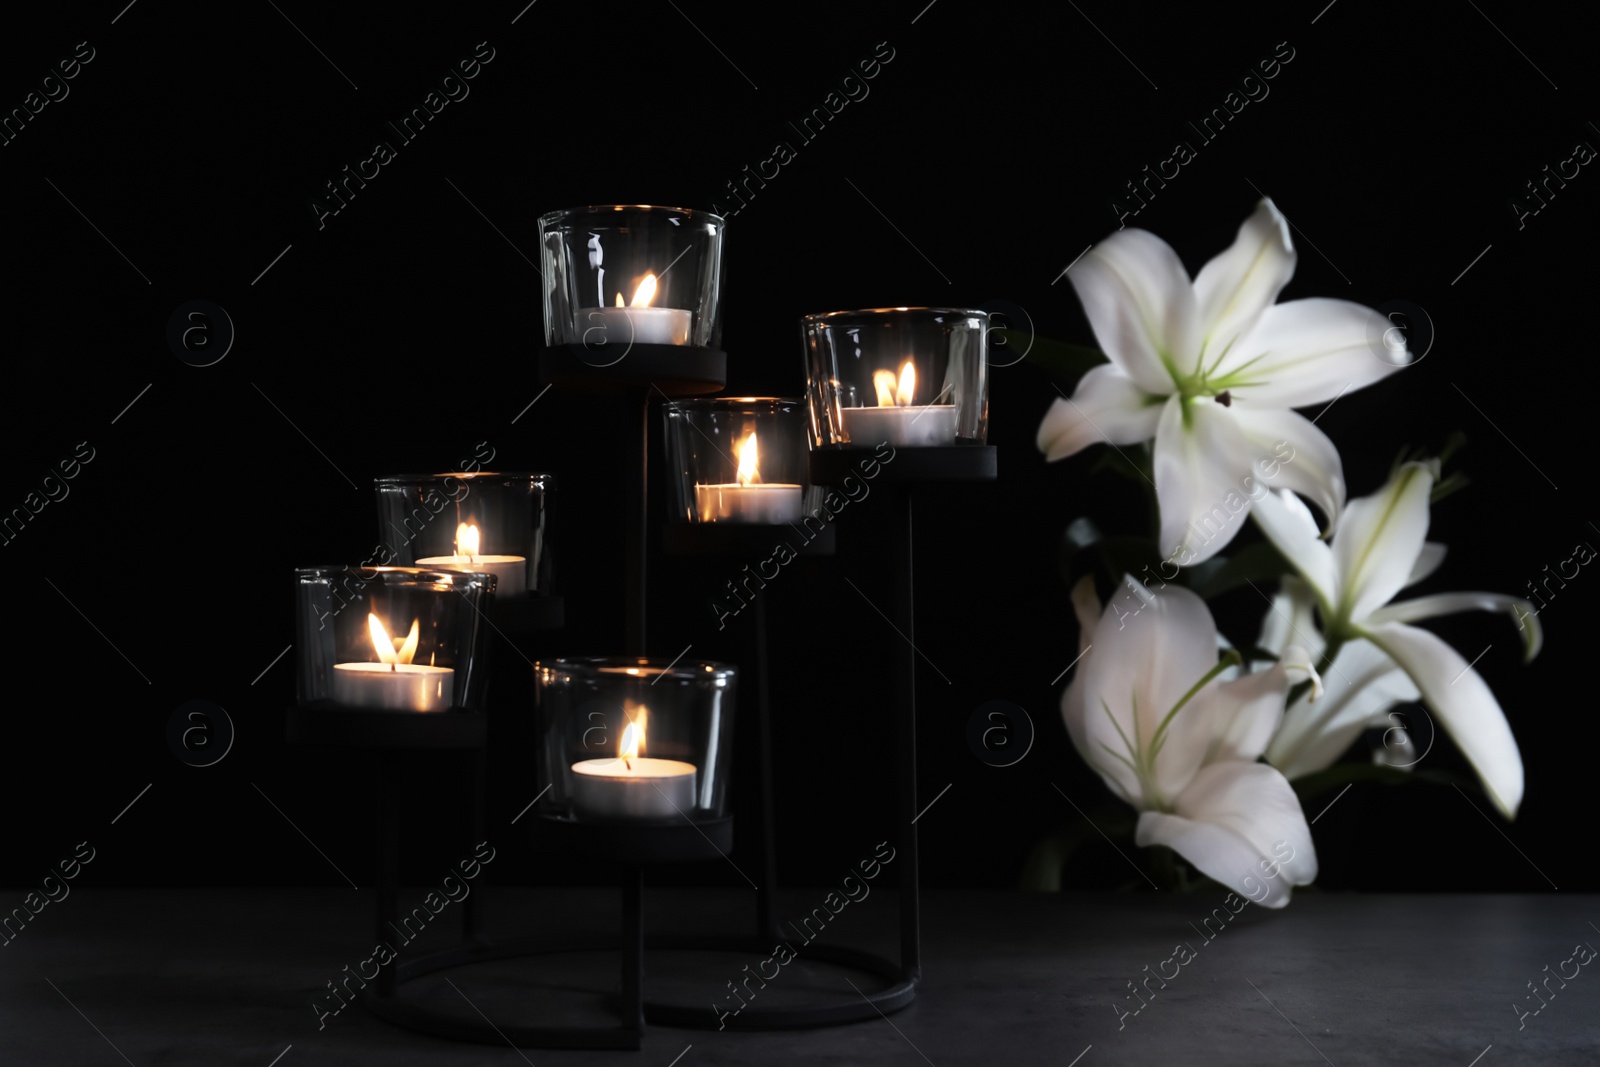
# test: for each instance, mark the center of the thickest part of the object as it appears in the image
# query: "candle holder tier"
(620, 274)
(836, 464)
(391, 640)
(911, 377)
(674, 370)
(391, 659)
(487, 522)
(738, 461)
(631, 743)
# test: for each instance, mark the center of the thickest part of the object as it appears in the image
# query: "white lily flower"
(1378, 550)
(1151, 711)
(1210, 369)
(1363, 686)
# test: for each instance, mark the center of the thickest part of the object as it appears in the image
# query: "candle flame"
(883, 382)
(393, 650)
(892, 393)
(619, 300)
(466, 542)
(748, 472)
(632, 741)
(645, 293)
(908, 385)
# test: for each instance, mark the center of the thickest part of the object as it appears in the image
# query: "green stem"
(1231, 658)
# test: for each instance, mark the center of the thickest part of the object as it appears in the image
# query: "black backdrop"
(398, 334)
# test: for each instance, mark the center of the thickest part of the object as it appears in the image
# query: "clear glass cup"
(914, 377)
(626, 274)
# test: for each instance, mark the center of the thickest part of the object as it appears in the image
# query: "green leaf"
(1068, 362)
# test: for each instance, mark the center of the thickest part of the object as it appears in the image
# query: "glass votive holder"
(628, 739)
(738, 460)
(390, 638)
(489, 522)
(627, 274)
(914, 377)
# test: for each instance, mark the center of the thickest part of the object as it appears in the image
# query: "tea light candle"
(397, 686)
(770, 504)
(630, 786)
(913, 426)
(636, 324)
(511, 572)
(394, 682)
(896, 419)
(747, 499)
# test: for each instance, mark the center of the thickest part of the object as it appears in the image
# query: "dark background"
(983, 161)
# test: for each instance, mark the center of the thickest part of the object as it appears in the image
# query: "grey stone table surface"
(226, 977)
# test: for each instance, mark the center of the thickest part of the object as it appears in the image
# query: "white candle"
(642, 326)
(511, 572)
(896, 419)
(394, 682)
(396, 686)
(908, 427)
(638, 323)
(748, 499)
(630, 786)
(637, 788)
(770, 504)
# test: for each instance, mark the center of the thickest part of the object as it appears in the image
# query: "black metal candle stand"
(621, 367)
(743, 541)
(900, 473)
(387, 734)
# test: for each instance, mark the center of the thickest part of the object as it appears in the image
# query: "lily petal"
(1289, 620)
(1308, 352)
(1200, 461)
(1086, 605)
(1238, 285)
(1289, 526)
(1140, 304)
(1466, 708)
(1313, 469)
(1380, 538)
(1247, 711)
(1429, 607)
(1106, 407)
(1150, 650)
(1241, 824)
(1432, 557)
(1363, 684)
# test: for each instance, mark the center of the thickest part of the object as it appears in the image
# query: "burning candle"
(511, 572)
(896, 419)
(632, 786)
(748, 499)
(638, 323)
(394, 682)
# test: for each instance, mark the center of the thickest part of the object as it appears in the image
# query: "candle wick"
(626, 764)
(394, 669)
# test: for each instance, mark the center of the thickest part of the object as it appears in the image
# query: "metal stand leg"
(632, 1007)
(635, 520)
(477, 808)
(906, 739)
(766, 920)
(388, 861)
